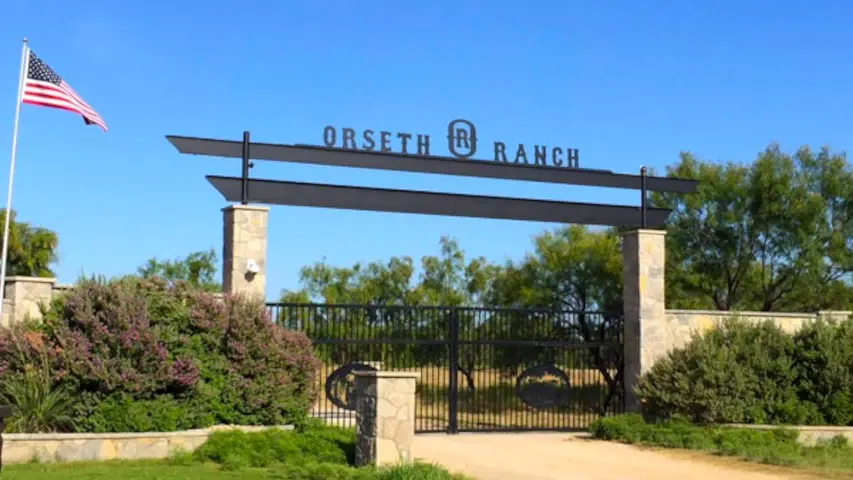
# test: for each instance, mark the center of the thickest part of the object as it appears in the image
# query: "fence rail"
(481, 368)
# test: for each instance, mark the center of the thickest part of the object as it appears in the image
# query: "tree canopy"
(197, 268)
(32, 250)
(774, 235)
(448, 279)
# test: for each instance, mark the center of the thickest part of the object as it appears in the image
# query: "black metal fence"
(482, 369)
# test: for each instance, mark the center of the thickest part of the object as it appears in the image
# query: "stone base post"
(644, 305)
(23, 298)
(244, 242)
(385, 417)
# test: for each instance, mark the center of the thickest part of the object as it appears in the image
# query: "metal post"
(22, 78)
(244, 193)
(453, 354)
(643, 197)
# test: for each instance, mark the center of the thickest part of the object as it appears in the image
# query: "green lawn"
(129, 470)
(165, 470)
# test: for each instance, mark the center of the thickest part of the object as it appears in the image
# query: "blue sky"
(628, 83)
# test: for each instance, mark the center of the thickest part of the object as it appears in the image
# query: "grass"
(164, 470)
(772, 447)
(130, 470)
(493, 403)
(317, 453)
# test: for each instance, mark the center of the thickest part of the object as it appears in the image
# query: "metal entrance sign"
(407, 152)
(462, 143)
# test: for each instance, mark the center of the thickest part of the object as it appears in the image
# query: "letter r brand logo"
(461, 138)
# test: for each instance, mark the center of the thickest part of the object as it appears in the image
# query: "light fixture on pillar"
(252, 268)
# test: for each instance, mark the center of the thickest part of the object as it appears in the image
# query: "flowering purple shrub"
(132, 347)
(261, 373)
(103, 337)
(20, 346)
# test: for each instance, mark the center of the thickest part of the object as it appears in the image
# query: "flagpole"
(21, 80)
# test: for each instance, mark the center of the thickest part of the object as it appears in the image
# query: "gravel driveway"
(552, 456)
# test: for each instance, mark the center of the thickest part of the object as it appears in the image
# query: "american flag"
(45, 88)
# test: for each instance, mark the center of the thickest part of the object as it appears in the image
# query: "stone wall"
(808, 435)
(681, 325)
(59, 289)
(6, 319)
(71, 447)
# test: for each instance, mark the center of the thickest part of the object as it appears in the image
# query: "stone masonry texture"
(385, 417)
(683, 325)
(644, 304)
(809, 435)
(23, 296)
(73, 447)
(244, 238)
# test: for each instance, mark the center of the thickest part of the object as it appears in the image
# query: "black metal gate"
(482, 369)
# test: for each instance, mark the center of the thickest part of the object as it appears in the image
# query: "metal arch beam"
(431, 164)
(429, 203)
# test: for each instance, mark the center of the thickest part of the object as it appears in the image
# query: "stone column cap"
(22, 278)
(257, 208)
(388, 374)
(644, 231)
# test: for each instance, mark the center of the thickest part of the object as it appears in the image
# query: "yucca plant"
(40, 405)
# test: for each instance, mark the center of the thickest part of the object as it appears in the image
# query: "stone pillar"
(644, 304)
(385, 417)
(23, 297)
(244, 242)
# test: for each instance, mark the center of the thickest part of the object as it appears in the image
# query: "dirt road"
(563, 456)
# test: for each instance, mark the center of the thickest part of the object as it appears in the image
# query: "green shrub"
(321, 471)
(40, 404)
(824, 359)
(415, 471)
(317, 452)
(235, 449)
(150, 355)
(748, 373)
(121, 413)
(622, 427)
(777, 446)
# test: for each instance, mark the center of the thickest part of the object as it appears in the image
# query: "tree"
(31, 250)
(446, 280)
(771, 236)
(377, 286)
(576, 271)
(571, 268)
(197, 268)
(374, 283)
(450, 280)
